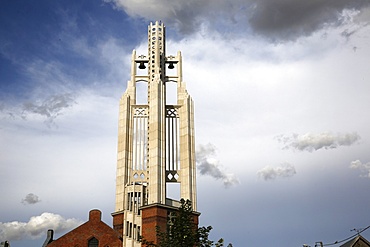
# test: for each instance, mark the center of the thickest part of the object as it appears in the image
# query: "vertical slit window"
(128, 201)
(139, 202)
(135, 202)
(131, 201)
(127, 227)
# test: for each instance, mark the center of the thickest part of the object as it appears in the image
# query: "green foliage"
(183, 232)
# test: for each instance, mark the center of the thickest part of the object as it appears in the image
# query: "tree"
(183, 232)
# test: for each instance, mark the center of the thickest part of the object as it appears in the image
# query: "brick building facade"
(93, 233)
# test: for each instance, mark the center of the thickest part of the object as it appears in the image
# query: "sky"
(281, 91)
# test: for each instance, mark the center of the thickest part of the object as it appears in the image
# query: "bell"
(142, 65)
(170, 66)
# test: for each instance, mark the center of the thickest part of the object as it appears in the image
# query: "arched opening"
(93, 242)
(171, 93)
(141, 93)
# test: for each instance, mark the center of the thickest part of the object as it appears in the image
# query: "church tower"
(156, 147)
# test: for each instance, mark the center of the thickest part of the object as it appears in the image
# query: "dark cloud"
(276, 20)
(207, 165)
(290, 19)
(31, 199)
(46, 110)
(49, 108)
(271, 173)
(312, 142)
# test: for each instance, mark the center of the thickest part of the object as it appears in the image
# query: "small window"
(93, 242)
(127, 227)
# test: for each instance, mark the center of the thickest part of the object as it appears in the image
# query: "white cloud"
(31, 199)
(312, 142)
(271, 173)
(36, 227)
(363, 167)
(208, 165)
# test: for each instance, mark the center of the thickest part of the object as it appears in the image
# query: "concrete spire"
(155, 143)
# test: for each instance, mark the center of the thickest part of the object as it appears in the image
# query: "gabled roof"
(358, 241)
(93, 228)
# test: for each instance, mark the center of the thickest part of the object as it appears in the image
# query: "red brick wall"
(80, 236)
(152, 217)
(118, 220)
(157, 216)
